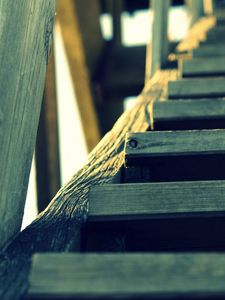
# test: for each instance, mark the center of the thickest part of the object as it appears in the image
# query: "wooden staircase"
(166, 210)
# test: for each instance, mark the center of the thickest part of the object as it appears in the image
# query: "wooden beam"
(198, 67)
(69, 14)
(117, 276)
(47, 144)
(201, 199)
(197, 88)
(197, 9)
(116, 9)
(159, 49)
(26, 31)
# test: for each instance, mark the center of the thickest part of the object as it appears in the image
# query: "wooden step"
(152, 145)
(197, 67)
(127, 276)
(201, 199)
(177, 155)
(189, 114)
(209, 50)
(197, 88)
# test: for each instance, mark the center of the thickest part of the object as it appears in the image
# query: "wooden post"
(79, 50)
(47, 145)
(197, 9)
(116, 8)
(25, 36)
(158, 51)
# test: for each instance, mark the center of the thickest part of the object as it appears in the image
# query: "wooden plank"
(119, 276)
(159, 49)
(189, 114)
(24, 55)
(209, 50)
(47, 143)
(174, 143)
(70, 14)
(212, 66)
(197, 88)
(200, 199)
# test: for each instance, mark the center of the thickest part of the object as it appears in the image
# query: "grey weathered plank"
(210, 66)
(26, 30)
(188, 109)
(197, 88)
(174, 143)
(157, 200)
(209, 50)
(127, 276)
(159, 48)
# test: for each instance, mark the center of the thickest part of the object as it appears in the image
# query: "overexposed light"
(106, 26)
(179, 22)
(136, 28)
(30, 211)
(73, 148)
(129, 102)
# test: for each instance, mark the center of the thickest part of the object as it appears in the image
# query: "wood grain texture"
(203, 67)
(209, 50)
(26, 30)
(197, 88)
(58, 227)
(175, 143)
(129, 276)
(188, 109)
(47, 143)
(157, 200)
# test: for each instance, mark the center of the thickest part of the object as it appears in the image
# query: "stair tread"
(188, 109)
(127, 276)
(197, 88)
(209, 50)
(203, 66)
(200, 199)
(174, 143)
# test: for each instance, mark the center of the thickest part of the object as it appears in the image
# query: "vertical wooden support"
(208, 7)
(116, 8)
(78, 48)
(25, 36)
(159, 48)
(197, 9)
(47, 145)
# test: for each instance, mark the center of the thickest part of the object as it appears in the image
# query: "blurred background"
(95, 72)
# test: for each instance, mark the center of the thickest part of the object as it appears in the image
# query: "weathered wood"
(160, 46)
(69, 14)
(197, 9)
(209, 50)
(197, 88)
(47, 144)
(26, 29)
(174, 143)
(197, 34)
(212, 66)
(119, 276)
(189, 114)
(200, 199)
(58, 227)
